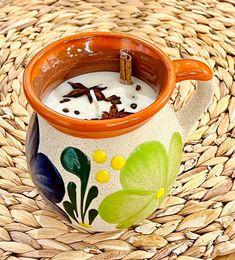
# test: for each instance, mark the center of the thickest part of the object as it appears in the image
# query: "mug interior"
(91, 52)
(96, 53)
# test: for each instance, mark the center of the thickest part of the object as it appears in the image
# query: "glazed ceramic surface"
(55, 179)
(89, 52)
(109, 174)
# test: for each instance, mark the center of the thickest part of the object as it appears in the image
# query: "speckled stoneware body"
(52, 143)
(109, 174)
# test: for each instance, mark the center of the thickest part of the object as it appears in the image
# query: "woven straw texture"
(197, 221)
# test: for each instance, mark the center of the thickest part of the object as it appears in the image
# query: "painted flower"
(32, 139)
(44, 174)
(47, 178)
(146, 179)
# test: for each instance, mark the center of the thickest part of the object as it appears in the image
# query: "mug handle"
(186, 69)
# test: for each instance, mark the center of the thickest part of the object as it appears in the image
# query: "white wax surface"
(143, 98)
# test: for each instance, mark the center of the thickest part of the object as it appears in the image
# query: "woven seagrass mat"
(197, 221)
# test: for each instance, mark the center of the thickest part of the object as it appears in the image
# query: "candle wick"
(92, 92)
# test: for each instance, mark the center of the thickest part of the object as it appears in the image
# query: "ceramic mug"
(109, 174)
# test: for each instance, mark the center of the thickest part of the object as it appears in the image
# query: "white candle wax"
(86, 110)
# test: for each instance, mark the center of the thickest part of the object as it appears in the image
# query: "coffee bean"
(64, 100)
(138, 87)
(76, 112)
(66, 110)
(114, 99)
(133, 105)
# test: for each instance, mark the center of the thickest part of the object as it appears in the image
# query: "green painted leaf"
(69, 209)
(73, 195)
(76, 162)
(146, 168)
(92, 214)
(92, 194)
(126, 208)
(174, 158)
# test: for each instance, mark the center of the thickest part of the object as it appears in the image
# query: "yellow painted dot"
(118, 162)
(86, 225)
(99, 156)
(102, 176)
(160, 193)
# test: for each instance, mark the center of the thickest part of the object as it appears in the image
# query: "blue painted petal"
(47, 178)
(32, 139)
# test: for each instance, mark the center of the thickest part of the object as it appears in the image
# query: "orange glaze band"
(100, 51)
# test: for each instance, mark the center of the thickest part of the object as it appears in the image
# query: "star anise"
(114, 113)
(80, 90)
(114, 99)
(98, 92)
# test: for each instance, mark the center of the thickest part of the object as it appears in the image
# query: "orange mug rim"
(107, 125)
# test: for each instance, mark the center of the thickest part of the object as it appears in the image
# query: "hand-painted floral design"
(47, 178)
(76, 162)
(44, 174)
(146, 179)
(32, 138)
